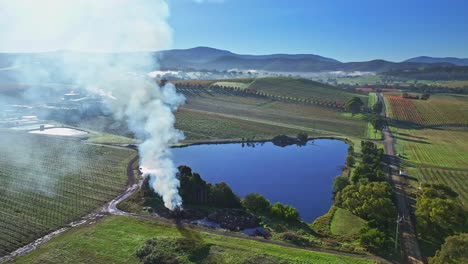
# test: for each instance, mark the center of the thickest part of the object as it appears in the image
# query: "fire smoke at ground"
(104, 48)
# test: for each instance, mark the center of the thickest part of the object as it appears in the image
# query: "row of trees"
(258, 204)
(424, 96)
(367, 195)
(253, 92)
(194, 190)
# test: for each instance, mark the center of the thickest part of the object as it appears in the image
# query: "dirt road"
(408, 238)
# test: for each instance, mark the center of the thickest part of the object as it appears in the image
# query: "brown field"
(439, 110)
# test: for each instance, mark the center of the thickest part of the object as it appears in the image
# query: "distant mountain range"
(214, 59)
(205, 58)
(452, 60)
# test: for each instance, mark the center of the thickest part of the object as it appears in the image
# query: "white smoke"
(108, 39)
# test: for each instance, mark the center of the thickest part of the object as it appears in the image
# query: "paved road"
(408, 238)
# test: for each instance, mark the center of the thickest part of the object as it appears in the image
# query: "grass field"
(302, 88)
(439, 110)
(344, 223)
(47, 182)
(115, 240)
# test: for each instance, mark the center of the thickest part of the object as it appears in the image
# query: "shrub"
(350, 161)
(285, 212)
(171, 250)
(339, 183)
(372, 238)
(295, 238)
(256, 203)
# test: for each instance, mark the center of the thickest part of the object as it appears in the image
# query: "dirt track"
(408, 238)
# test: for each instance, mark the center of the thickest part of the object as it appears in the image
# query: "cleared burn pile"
(234, 219)
(216, 203)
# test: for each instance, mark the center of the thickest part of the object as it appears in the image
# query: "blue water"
(298, 176)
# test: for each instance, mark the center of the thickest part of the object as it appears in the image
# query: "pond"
(61, 131)
(298, 176)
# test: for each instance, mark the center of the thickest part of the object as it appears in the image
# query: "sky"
(345, 30)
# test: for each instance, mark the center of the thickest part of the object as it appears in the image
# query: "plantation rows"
(403, 110)
(437, 111)
(47, 182)
(440, 110)
(196, 90)
(454, 178)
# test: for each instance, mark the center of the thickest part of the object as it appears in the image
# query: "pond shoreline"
(275, 165)
(238, 141)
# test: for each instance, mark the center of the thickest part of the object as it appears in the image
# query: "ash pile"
(234, 219)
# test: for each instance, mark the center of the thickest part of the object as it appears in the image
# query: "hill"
(437, 73)
(214, 59)
(205, 58)
(451, 60)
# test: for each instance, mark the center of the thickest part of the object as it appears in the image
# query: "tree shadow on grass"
(201, 250)
(189, 233)
(408, 135)
(412, 140)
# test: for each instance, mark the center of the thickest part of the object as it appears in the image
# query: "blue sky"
(342, 29)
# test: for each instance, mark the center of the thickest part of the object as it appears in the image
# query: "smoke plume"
(104, 48)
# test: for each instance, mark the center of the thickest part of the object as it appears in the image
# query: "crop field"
(302, 88)
(456, 179)
(434, 147)
(47, 182)
(437, 111)
(116, 238)
(206, 126)
(436, 155)
(321, 120)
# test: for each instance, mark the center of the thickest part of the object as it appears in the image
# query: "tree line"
(367, 195)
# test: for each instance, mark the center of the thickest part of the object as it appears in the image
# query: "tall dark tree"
(221, 195)
(378, 122)
(354, 105)
(377, 107)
